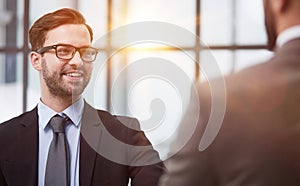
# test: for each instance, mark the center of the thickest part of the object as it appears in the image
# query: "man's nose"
(76, 60)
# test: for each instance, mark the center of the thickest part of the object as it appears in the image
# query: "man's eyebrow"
(72, 45)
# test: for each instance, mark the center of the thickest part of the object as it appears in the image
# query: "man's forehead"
(75, 34)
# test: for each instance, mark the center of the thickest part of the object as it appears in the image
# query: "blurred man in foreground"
(258, 143)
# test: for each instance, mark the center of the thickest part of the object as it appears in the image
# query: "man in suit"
(258, 143)
(101, 149)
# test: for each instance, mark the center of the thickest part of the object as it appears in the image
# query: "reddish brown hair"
(40, 28)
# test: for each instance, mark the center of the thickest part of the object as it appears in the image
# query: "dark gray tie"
(57, 170)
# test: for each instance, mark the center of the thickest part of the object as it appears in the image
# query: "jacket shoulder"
(12, 130)
(16, 121)
(110, 119)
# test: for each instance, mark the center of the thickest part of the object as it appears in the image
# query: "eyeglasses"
(67, 52)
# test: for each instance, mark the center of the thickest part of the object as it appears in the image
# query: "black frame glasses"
(67, 52)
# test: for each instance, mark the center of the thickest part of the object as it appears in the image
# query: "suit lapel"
(89, 143)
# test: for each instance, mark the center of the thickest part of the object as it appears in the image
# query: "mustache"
(73, 69)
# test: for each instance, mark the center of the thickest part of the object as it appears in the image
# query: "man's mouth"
(74, 74)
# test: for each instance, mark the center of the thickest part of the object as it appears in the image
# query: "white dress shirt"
(74, 112)
(287, 35)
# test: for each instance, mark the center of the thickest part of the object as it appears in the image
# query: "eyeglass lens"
(68, 52)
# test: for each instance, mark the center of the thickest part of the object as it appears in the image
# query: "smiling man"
(64, 140)
(64, 62)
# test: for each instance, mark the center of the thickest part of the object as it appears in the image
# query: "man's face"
(66, 78)
(270, 24)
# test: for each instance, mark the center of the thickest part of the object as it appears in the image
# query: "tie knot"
(58, 123)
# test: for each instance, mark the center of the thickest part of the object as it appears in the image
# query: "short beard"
(58, 88)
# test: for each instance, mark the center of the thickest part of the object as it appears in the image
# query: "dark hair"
(40, 28)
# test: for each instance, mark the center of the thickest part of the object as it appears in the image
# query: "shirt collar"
(74, 112)
(287, 35)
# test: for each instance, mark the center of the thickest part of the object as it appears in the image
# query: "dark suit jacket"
(258, 143)
(102, 161)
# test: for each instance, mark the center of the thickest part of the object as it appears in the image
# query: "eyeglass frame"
(47, 48)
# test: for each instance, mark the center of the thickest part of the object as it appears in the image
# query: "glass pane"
(257, 56)
(216, 22)
(2, 34)
(2, 68)
(215, 63)
(5, 19)
(20, 23)
(10, 85)
(38, 8)
(229, 61)
(157, 91)
(11, 23)
(250, 29)
(177, 12)
(181, 13)
(95, 13)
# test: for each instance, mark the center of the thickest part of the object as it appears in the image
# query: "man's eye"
(64, 51)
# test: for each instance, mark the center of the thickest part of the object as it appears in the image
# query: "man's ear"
(36, 60)
(281, 6)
